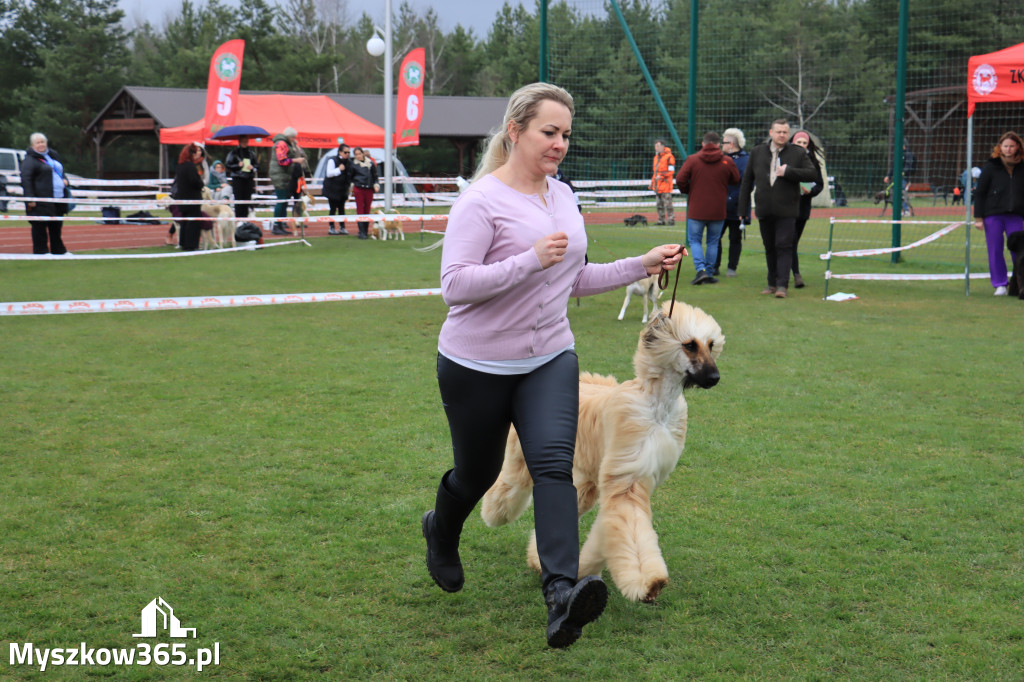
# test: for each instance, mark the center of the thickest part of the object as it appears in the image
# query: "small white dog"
(223, 232)
(648, 289)
(628, 441)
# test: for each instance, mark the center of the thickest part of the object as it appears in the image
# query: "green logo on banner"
(413, 75)
(227, 67)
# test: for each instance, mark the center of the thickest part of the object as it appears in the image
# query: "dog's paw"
(653, 590)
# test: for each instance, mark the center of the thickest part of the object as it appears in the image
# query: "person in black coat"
(337, 182)
(241, 165)
(999, 205)
(774, 173)
(42, 177)
(188, 182)
(808, 190)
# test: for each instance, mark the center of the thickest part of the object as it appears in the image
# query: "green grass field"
(847, 506)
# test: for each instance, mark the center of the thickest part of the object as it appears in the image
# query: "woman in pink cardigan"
(513, 256)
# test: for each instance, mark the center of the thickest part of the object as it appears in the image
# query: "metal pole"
(828, 263)
(543, 75)
(389, 117)
(691, 107)
(968, 198)
(901, 104)
(650, 81)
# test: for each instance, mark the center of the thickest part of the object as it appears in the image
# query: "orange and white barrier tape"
(114, 305)
(249, 246)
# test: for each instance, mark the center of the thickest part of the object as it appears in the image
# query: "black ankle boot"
(443, 560)
(442, 527)
(571, 607)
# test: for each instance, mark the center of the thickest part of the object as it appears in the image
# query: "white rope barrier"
(893, 249)
(907, 278)
(896, 277)
(114, 305)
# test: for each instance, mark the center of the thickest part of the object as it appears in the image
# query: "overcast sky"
(475, 14)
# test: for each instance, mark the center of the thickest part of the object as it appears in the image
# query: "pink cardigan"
(504, 306)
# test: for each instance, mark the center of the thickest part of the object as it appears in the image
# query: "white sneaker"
(730, 273)
(1000, 291)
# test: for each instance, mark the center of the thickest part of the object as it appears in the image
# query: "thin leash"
(663, 278)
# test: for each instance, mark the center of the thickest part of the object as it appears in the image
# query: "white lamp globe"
(375, 46)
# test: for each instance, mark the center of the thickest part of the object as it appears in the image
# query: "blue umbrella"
(234, 132)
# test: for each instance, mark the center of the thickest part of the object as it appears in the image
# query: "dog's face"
(686, 345)
(207, 194)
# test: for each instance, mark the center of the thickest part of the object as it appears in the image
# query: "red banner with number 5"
(222, 87)
(410, 99)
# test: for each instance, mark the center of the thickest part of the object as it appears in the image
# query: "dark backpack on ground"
(248, 232)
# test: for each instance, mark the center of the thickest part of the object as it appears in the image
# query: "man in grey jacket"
(774, 173)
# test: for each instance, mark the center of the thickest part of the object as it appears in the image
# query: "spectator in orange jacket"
(664, 171)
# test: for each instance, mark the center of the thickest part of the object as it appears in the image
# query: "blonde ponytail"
(521, 109)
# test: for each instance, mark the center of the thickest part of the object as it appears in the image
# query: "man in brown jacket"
(705, 177)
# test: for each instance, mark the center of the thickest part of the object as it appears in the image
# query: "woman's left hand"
(662, 258)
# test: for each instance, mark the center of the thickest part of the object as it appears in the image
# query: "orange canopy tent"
(319, 120)
(993, 77)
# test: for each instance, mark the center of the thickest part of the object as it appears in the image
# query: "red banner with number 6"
(222, 87)
(410, 99)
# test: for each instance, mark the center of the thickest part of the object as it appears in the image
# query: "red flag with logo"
(222, 86)
(410, 99)
(995, 77)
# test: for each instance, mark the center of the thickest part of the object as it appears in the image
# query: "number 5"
(224, 102)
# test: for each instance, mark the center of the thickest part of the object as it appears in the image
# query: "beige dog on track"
(628, 441)
(386, 229)
(223, 217)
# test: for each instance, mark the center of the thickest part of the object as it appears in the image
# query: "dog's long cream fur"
(222, 215)
(629, 439)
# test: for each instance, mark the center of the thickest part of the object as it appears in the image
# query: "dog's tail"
(435, 245)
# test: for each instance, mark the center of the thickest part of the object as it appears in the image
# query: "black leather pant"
(544, 407)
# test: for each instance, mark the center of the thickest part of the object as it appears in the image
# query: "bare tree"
(798, 99)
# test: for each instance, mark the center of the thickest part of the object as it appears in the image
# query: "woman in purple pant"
(999, 204)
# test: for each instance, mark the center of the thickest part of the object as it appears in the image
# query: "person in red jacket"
(705, 177)
(664, 168)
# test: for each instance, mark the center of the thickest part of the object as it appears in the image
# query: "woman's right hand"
(979, 223)
(551, 249)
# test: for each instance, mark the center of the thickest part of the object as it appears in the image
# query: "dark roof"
(466, 117)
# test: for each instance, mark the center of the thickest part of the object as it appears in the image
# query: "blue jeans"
(704, 259)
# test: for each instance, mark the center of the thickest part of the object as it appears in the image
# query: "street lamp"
(376, 47)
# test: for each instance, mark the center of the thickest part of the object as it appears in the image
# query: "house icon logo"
(159, 613)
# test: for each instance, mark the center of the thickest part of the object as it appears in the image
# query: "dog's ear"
(659, 322)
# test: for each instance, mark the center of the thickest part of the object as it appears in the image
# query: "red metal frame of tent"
(319, 120)
(993, 77)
